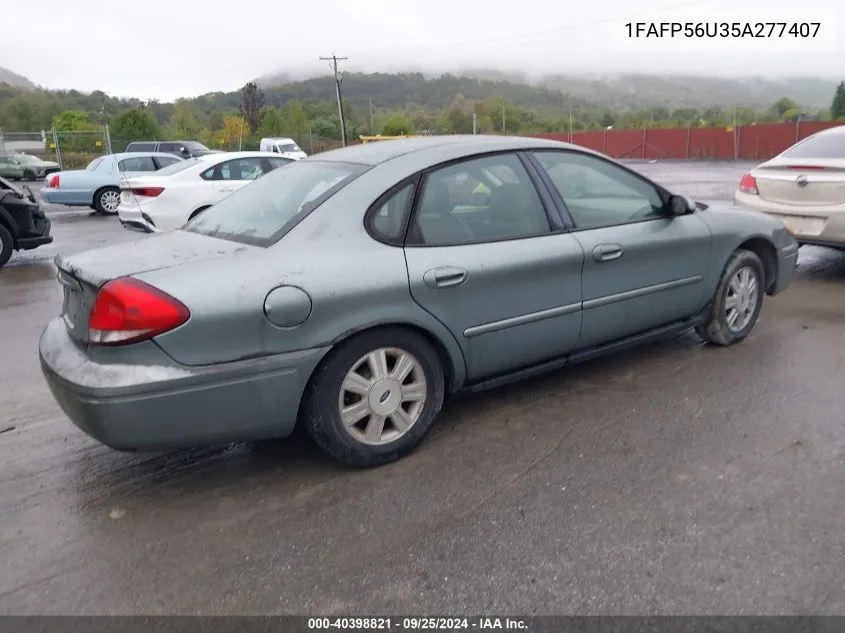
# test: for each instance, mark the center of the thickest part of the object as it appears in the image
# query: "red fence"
(749, 142)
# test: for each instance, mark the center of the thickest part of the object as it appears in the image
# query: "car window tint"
(822, 145)
(94, 164)
(598, 193)
(388, 220)
(140, 163)
(169, 147)
(278, 162)
(208, 174)
(462, 204)
(240, 169)
(258, 213)
(165, 161)
(141, 147)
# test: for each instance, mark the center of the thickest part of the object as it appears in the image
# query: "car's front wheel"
(372, 400)
(7, 245)
(737, 301)
(107, 200)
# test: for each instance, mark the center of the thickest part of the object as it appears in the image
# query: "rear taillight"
(128, 311)
(147, 192)
(748, 184)
(53, 181)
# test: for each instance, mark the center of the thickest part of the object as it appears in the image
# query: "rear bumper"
(831, 231)
(164, 405)
(74, 198)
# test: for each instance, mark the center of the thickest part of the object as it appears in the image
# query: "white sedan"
(804, 187)
(166, 200)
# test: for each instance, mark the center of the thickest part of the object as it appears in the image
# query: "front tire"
(29, 175)
(7, 245)
(107, 200)
(372, 399)
(737, 301)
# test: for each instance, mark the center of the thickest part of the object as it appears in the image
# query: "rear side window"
(822, 145)
(141, 147)
(141, 163)
(275, 163)
(387, 220)
(258, 213)
(165, 161)
(92, 166)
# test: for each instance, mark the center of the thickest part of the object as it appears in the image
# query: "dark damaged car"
(23, 224)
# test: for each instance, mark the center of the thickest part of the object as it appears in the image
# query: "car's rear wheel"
(107, 200)
(7, 245)
(737, 301)
(372, 400)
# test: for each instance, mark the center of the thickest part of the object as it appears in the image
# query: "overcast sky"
(170, 48)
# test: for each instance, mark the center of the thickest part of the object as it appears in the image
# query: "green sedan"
(25, 167)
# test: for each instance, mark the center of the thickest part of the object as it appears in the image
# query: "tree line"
(233, 120)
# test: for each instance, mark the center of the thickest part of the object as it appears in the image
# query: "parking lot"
(675, 479)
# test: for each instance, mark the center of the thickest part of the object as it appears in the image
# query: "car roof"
(428, 147)
(242, 154)
(122, 155)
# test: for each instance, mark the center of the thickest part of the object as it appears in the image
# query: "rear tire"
(7, 245)
(373, 398)
(107, 200)
(737, 301)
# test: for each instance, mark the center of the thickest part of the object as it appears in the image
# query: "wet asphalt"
(674, 479)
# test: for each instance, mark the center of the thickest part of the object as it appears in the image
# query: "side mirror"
(680, 205)
(183, 151)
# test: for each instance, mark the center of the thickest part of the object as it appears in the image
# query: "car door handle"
(444, 277)
(607, 252)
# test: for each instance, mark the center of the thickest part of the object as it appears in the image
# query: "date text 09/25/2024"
(418, 624)
(723, 29)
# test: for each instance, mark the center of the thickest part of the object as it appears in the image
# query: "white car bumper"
(820, 225)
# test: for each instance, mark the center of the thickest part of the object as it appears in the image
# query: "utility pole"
(372, 118)
(334, 59)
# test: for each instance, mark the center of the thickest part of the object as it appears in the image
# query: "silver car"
(354, 290)
(804, 187)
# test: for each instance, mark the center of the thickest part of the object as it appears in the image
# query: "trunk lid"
(802, 182)
(82, 275)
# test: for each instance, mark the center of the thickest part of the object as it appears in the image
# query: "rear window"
(194, 146)
(261, 211)
(824, 145)
(92, 166)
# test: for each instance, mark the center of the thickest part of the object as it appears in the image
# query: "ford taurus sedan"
(353, 291)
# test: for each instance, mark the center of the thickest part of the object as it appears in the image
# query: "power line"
(334, 59)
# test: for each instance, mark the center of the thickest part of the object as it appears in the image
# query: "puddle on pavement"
(22, 270)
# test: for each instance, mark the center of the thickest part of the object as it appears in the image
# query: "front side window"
(598, 193)
(239, 169)
(166, 161)
(480, 200)
(140, 163)
(258, 213)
